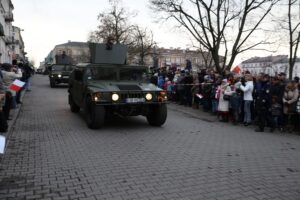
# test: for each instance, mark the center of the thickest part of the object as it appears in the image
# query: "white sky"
(47, 23)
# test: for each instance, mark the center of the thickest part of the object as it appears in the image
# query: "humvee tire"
(157, 115)
(73, 107)
(52, 83)
(95, 115)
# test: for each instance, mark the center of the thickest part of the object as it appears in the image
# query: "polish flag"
(17, 85)
(237, 70)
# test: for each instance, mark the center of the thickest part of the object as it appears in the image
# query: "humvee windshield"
(111, 73)
(62, 68)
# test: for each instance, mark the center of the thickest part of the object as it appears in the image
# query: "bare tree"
(142, 43)
(219, 25)
(294, 35)
(114, 24)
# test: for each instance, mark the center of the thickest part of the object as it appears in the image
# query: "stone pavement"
(53, 155)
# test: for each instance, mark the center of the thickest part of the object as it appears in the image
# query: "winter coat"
(223, 104)
(290, 98)
(8, 79)
(248, 90)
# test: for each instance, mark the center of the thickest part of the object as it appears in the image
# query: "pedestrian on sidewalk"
(247, 88)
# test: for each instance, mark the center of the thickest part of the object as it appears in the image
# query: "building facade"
(79, 52)
(271, 65)
(18, 46)
(161, 57)
(6, 31)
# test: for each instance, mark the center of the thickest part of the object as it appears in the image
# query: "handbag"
(226, 97)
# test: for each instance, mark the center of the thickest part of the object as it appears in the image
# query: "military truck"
(107, 86)
(59, 73)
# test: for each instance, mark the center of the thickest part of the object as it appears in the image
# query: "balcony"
(8, 40)
(9, 17)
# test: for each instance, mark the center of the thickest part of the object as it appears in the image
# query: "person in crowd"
(180, 87)
(195, 93)
(236, 99)
(263, 103)
(27, 73)
(223, 106)
(160, 82)
(168, 88)
(276, 112)
(290, 98)
(188, 84)
(9, 75)
(214, 95)
(277, 92)
(247, 88)
(3, 121)
(206, 93)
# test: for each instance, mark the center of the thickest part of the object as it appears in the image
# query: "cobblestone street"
(52, 154)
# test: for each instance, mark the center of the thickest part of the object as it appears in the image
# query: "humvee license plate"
(135, 100)
(65, 76)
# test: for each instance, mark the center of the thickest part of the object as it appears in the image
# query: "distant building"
(161, 57)
(271, 65)
(78, 52)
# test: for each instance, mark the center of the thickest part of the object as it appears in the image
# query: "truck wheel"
(73, 107)
(157, 115)
(52, 84)
(95, 115)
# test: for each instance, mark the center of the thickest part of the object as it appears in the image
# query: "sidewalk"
(14, 113)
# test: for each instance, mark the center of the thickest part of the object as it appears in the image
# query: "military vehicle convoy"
(107, 86)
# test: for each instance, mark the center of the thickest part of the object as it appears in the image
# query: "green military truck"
(59, 74)
(107, 86)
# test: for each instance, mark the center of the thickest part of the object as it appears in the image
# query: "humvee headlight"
(115, 97)
(97, 96)
(59, 75)
(149, 96)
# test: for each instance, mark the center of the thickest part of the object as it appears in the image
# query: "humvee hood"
(97, 86)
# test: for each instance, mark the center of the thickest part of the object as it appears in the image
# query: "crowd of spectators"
(247, 99)
(9, 98)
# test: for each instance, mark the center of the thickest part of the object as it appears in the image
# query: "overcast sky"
(47, 23)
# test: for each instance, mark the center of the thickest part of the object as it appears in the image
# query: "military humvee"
(59, 73)
(108, 86)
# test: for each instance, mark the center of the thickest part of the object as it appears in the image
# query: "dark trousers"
(3, 122)
(7, 105)
(263, 117)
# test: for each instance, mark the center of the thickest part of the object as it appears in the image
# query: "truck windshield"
(133, 74)
(58, 67)
(104, 74)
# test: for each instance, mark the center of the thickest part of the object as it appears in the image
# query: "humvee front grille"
(132, 95)
(129, 87)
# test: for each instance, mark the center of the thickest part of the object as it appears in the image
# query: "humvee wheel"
(157, 115)
(73, 107)
(52, 83)
(95, 115)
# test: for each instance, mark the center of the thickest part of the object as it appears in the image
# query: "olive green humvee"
(103, 89)
(59, 73)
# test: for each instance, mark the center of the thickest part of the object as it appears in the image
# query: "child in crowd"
(275, 111)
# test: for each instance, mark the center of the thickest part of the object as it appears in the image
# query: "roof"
(74, 44)
(273, 59)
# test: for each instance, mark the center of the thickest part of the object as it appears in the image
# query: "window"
(102, 73)
(131, 74)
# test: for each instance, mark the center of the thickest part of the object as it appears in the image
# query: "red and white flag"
(17, 85)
